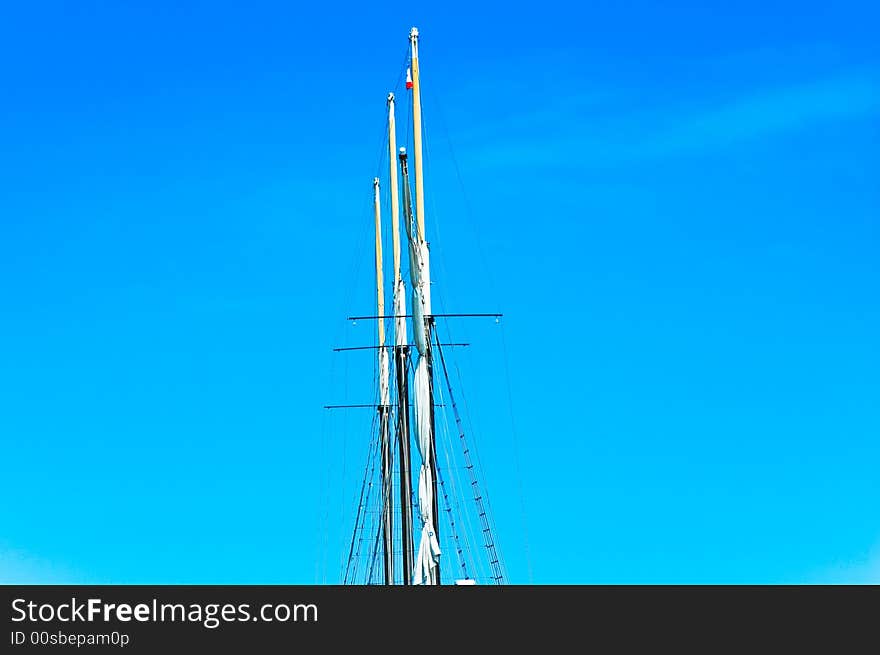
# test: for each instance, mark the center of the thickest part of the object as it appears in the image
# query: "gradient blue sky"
(674, 204)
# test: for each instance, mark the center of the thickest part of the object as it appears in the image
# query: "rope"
(489, 539)
(447, 505)
(362, 502)
(514, 443)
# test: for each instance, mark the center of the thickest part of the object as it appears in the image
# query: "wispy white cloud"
(18, 567)
(864, 570)
(627, 136)
(768, 113)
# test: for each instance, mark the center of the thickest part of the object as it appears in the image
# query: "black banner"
(275, 619)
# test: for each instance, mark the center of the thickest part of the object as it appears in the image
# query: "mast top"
(414, 45)
(390, 98)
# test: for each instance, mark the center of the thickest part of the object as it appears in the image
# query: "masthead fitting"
(414, 45)
(390, 98)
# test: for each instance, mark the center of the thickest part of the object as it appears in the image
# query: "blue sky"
(676, 208)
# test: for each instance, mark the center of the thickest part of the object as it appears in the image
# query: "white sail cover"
(428, 556)
(384, 375)
(399, 314)
(429, 548)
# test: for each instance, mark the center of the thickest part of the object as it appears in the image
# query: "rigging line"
(514, 442)
(357, 265)
(469, 212)
(436, 222)
(364, 500)
(461, 561)
(383, 152)
(369, 473)
(358, 516)
(409, 122)
(344, 463)
(448, 505)
(406, 53)
(467, 525)
(441, 259)
(323, 537)
(366, 230)
(374, 550)
(459, 493)
(473, 446)
(395, 90)
(387, 488)
(386, 494)
(467, 522)
(488, 536)
(383, 149)
(469, 529)
(471, 429)
(386, 188)
(396, 547)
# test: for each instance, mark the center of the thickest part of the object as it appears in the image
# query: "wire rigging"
(489, 539)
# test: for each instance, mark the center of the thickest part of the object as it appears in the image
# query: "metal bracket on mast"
(408, 345)
(428, 316)
(371, 406)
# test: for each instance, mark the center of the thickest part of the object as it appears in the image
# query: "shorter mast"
(384, 402)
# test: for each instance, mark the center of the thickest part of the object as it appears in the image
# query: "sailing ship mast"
(384, 402)
(401, 359)
(420, 565)
(428, 558)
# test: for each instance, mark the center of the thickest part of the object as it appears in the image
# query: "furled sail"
(384, 400)
(401, 353)
(428, 557)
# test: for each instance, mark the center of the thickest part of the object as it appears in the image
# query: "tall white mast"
(399, 328)
(401, 360)
(417, 133)
(384, 399)
(428, 558)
